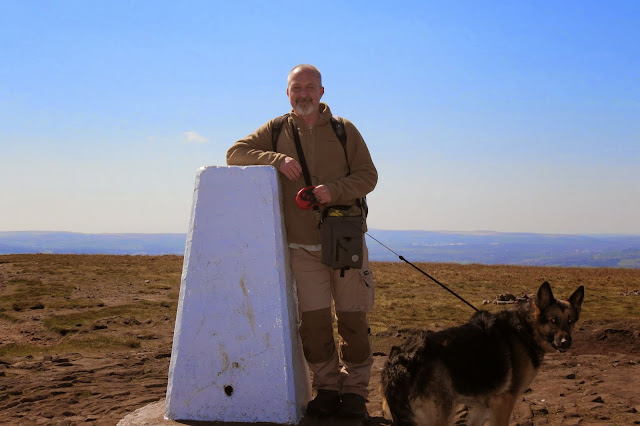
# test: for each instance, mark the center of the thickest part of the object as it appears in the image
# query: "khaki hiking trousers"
(348, 368)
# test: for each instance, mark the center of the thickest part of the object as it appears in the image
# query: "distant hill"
(416, 246)
(77, 243)
(493, 248)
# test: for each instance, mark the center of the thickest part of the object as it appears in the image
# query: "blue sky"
(506, 116)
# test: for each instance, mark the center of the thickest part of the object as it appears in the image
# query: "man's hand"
(290, 168)
(322, 193)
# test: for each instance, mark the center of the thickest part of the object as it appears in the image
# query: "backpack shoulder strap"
(338, 128)
(277, 128)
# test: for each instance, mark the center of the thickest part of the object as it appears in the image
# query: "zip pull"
(316, 212)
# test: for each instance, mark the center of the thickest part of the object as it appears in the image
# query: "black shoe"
(324, 404)
(353, 406)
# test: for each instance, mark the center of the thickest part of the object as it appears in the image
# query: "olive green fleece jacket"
(327, 165)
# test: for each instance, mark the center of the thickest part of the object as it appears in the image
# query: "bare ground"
(594, 383)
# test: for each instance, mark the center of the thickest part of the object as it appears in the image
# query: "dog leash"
(306, 199)
(424, 273)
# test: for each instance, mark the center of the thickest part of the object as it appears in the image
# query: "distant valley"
(498, 248)
(486, 247)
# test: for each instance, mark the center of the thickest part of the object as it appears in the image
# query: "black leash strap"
(425, 274)
(305, 169)
(303, 162)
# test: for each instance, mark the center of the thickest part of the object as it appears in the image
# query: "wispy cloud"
(195, 137)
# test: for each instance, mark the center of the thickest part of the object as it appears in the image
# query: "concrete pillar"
(236, 352)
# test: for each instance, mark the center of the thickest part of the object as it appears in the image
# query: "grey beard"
(304, 109)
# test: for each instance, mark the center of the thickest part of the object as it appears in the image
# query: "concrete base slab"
(153, 415)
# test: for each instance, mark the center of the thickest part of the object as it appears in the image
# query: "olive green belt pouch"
(342, 241)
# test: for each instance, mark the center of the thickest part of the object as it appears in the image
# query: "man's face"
(304, 91)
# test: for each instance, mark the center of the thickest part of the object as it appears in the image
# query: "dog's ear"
(576, 298)
(544, 298)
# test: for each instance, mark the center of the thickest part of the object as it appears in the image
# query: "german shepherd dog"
(485, 364)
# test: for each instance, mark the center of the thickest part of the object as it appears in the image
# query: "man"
(341, 176)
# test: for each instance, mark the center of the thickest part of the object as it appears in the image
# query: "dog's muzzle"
(562, 344)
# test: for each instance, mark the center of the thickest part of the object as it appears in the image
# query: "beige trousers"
(346, 369)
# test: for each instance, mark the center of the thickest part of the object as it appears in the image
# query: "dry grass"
(407, 299)
(74, 303)
(111, 302)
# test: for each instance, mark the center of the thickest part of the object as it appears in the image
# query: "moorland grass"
(404, 297)
(87, 344)
(30, 293)
(142, 311)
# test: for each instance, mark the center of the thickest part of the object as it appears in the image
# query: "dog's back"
(486, 363)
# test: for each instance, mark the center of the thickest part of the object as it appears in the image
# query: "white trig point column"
(236, 352)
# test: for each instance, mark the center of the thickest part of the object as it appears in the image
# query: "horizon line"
(440, 231)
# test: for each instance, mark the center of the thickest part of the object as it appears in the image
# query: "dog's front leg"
(501, 407)
(477, 415)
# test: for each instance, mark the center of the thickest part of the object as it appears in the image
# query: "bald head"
(304, 67)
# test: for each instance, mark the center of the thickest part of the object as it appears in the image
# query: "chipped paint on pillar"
(236, 352)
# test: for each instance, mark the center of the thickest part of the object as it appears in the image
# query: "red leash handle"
(306, 199)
